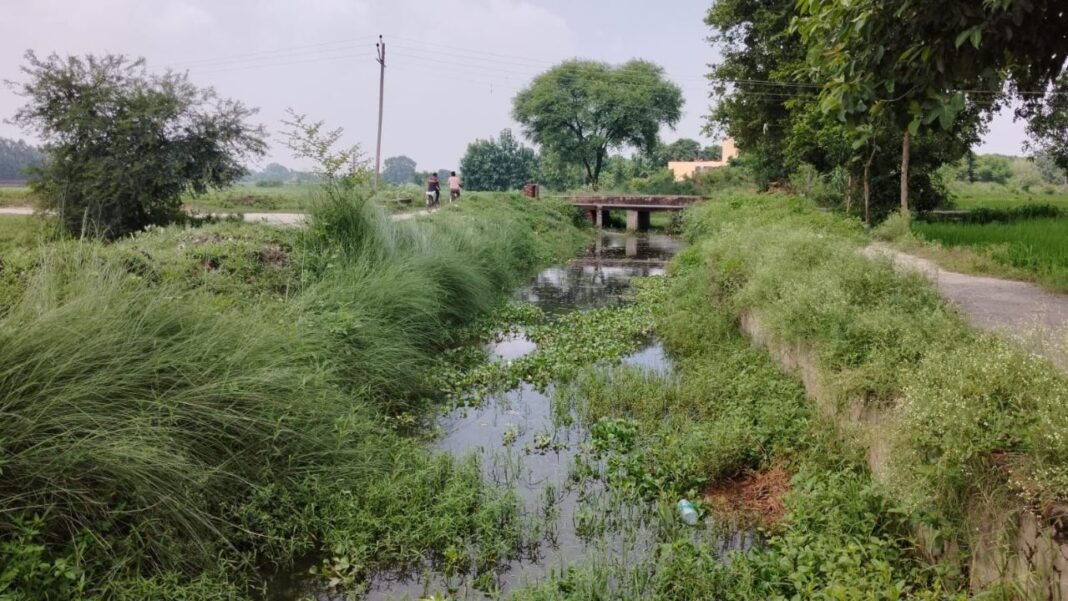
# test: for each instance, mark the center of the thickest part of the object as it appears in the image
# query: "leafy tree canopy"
(1049, 124)
(124, 145)
(930, 58)
(757, 50)
(276, 172)
(501, 164)
(399, 170)
(580, 110)
(992, 168)
(684, 149)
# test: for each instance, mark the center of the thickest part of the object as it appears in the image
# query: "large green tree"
(399, 170)
(925, 65)
(124, 145)
(1051, 172)
(754, 79)
(557, 174)
(1048, 124)
(498, 164)
(581, 110)
(683, 149)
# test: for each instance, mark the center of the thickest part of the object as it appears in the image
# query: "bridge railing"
(651, 200)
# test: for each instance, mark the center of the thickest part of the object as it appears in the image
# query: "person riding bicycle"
(454, 187)
(433, 186)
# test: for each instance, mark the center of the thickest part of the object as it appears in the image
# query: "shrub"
(893, 228)
(123, 146)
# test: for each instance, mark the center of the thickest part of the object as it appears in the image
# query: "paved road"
(1023, 311)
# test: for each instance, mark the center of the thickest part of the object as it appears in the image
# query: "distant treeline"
(279, 174)
(15, 157)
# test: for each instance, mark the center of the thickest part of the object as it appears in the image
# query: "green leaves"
(974, 34)
(501, 164)
(124, 145)
(579, 110)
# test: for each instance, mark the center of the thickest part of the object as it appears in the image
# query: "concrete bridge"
(638, 208)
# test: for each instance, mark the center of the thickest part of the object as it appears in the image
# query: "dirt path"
(268, 218)
(1022, 311)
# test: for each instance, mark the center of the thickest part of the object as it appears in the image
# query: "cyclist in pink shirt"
(454, 187)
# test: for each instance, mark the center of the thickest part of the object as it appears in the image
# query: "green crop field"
(998, 196)
(1038, 247)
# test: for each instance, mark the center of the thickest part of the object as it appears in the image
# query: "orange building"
(684, 169)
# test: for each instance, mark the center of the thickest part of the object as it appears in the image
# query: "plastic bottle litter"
(688, 512)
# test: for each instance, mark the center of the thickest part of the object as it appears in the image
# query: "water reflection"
(540, 452)
(601, 276)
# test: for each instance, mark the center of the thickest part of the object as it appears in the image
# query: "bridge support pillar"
(603, 217)
(630, 247)
(637, 220)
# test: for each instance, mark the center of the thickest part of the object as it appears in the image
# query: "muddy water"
(602, 275)
(516, 436)
(521, 444)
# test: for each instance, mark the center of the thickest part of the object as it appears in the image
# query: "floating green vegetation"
(564, 345)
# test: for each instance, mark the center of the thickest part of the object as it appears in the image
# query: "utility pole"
(381, 51)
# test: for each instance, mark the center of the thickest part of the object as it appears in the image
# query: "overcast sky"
(453, 66)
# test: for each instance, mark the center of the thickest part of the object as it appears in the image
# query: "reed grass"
(174, 408)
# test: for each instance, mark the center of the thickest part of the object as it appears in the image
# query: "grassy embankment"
(187, 404)
(963, 430)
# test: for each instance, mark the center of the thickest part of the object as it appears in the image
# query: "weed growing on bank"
(963, 416)
(187, 404)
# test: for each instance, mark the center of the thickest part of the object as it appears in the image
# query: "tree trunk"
(849, 192)
(867, 193)
(597, 170)
(905, 175)
(867, 184)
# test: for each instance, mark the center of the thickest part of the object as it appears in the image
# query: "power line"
(497, 66)
(286, 52)
(273, 64)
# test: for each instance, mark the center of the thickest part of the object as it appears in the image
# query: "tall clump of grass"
(392, 293)
(147, 428)
(123, 406)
